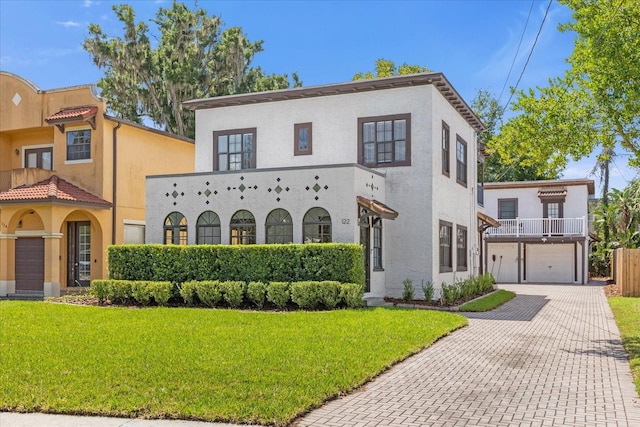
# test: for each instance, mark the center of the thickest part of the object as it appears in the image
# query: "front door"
(79, 253)
(365, 241)
(30, 264)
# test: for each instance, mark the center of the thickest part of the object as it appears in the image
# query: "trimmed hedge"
(341, 262)
(126, 291)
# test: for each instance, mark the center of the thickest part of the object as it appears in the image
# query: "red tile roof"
(76, 113)
(52, 189)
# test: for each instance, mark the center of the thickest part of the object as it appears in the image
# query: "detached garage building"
(544, 231)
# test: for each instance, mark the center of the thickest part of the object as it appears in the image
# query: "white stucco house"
(390, 163)
(544, 231)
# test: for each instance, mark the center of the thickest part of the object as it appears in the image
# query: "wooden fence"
(626, 271)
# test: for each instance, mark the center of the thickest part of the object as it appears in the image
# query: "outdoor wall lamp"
(17, 152)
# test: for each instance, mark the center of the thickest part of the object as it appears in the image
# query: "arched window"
(279, 227)
(208, 229)
(316, 226)
(243, 228)
(175, 229)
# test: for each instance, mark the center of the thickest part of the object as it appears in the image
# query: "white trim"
(7, 287)
(133, 222)
(30, 233)
(52, 235)
(51, 289)
(75, 162)
(83, 127)
(8, 236)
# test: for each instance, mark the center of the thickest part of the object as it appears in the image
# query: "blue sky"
(473, 43)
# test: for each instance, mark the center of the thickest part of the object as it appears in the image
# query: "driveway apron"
(550, 357)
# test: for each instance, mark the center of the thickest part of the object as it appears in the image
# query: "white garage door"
(553, 263)
(502, 261)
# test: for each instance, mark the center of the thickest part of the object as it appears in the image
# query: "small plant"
(306, 294)
(233, 292)
(188, 292)
(351, 294)
(407, 293)
(256, 293)
(209, 292)
(330, 294)
(278, 294)
(427, 288)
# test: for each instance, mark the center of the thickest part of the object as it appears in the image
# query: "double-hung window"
(461, 161)
(79, 144)
(461, 248)
(445, 149)
(234, 150)
(384, 141)
(446, 263)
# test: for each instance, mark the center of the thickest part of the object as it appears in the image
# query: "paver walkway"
(550, 357)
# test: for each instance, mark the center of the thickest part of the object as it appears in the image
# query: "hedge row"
(142, 292)
(215, 293)
(465, 289)
(341, 262)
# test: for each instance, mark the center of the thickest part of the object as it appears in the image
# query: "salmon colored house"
(72, 182)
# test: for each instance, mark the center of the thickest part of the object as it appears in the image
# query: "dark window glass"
(445, 149)
(461, 248)
(302, 139)
(507, 208)
(243, 228)
(461, 161)
(234, 150)
(377, 245)
(208, 229)
(446, 263)
(175, 229)
(279, 227)
(79, 144)
(385, 141)
(316, 226)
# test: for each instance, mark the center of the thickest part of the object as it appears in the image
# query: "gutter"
(114, 183)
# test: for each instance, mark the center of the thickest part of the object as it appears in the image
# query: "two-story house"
(544, 231)
(389, 163)
(71, 183)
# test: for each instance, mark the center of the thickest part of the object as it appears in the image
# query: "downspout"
(114, 183)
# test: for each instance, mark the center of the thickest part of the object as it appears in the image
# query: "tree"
(595, 103)
(496, 168)
(387, 68)
(192, 58)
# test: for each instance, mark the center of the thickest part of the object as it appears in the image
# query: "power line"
(544, 18)
(517, 51)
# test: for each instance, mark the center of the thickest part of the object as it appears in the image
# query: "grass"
(488, 302)
(200, 364)
(626, 310)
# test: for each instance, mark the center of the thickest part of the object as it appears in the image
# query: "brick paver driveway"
(550, 357)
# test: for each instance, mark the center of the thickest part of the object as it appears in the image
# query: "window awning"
(485, 221)
(380, 209)
(545, 193)
(75, 114)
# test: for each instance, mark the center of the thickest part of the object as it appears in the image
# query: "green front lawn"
(488, 302)
(626, 310)
(222, 365)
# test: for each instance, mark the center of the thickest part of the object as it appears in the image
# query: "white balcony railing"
(534, 227)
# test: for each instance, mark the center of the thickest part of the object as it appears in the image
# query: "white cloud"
(57, 53)
(89, 3)
(12, 61)
(68, 24)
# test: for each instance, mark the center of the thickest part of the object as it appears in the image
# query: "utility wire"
(546, 12)
(524, 30)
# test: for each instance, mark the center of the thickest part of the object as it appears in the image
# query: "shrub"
(278, 294)
(209, 292)
(100, 290)
(329, 292)
(188, 292)
(427, 288)
(281, 263)
(256, 293)
(407, 293)
(450, 293)
(119, 291)
(351, 294)
(160, 291)
(139, 292)
(306, 294)
(233, 292)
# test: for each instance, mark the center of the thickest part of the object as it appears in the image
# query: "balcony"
(16, 177)
(540, 227)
